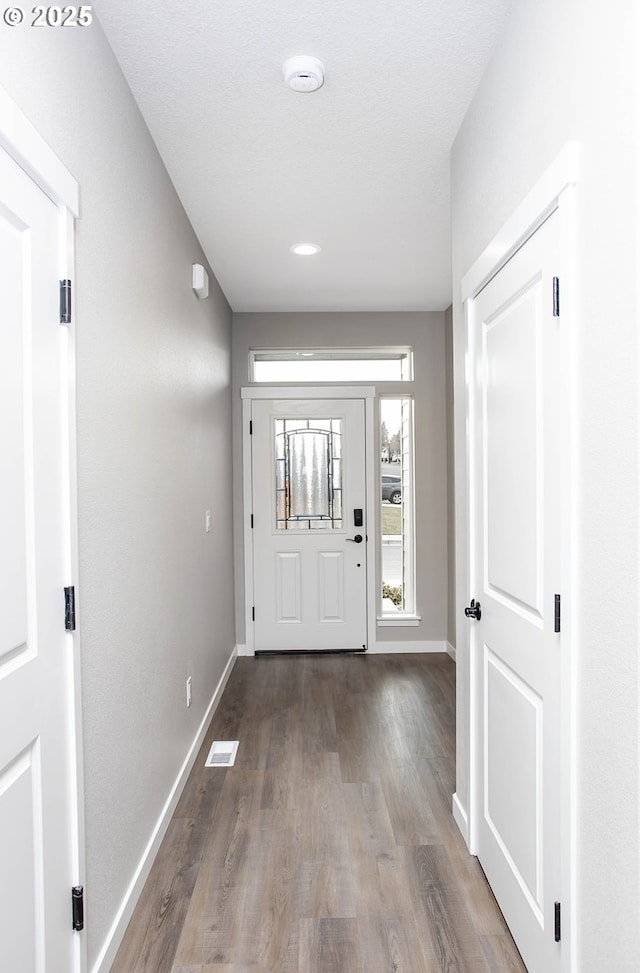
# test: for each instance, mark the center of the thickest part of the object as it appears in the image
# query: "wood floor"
(330, 846)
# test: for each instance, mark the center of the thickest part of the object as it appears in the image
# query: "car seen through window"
(391, 489)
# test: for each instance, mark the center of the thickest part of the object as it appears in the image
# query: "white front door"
(516, 564)
(309, 524)
(37, 770)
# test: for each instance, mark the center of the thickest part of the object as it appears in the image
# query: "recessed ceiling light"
(305, 249)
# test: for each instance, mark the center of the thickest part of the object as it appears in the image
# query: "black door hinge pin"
(65, 302)
(77, 907)
(556, 297)
(557, 613)
(70, 608)
(557, 922)
(253, 613)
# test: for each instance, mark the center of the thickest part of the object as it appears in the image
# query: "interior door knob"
(473, 610)
(356, 540)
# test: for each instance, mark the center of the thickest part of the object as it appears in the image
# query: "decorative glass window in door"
(308, 474)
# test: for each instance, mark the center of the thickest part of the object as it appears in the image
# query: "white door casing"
(516, 568)
(309, 575)
(39, 794)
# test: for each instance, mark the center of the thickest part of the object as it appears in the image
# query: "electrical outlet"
(189, 691)
(207, 521)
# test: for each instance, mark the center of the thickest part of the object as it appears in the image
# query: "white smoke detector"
(303, 73)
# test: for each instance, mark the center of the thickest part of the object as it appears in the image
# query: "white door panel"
(308, 476)
(331, 586)
(36, 710)
(516, 571)
(513, 785)
(511, 404)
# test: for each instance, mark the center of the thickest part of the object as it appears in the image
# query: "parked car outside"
(391, 489)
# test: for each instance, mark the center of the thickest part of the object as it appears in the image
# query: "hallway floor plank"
(330, 846)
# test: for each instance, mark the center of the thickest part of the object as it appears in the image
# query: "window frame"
(407, 614)
(373, 353)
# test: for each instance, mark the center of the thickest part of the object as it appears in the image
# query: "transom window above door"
(394, 364)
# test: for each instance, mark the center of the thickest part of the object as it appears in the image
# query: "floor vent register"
(222, 753)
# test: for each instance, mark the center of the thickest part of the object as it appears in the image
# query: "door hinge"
(251, 521)
(77, 907)
(556, 297)
(251, 427)
(70, 608)
(557, 614)
(557, 922)
(65, 302)
(253, 613)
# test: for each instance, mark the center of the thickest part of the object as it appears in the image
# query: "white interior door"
(309, 541)
(516, 562)
(37, 817)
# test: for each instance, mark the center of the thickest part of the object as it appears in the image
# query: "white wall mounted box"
(200, 282)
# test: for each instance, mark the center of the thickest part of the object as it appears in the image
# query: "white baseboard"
(461, 819)
(450, 650)
(115, 935)
(394, 648)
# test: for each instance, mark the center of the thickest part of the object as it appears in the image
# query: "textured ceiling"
(360, 167)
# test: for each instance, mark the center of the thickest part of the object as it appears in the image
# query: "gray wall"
(451, 518)
(567, 70)
(153, 428)
(426, 334)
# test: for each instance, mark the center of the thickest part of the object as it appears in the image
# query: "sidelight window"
(397, 506)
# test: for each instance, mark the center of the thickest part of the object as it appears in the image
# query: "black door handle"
(473, 611)
(356, 540)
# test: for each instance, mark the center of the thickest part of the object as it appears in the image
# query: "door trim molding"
(555, 191)
(23, 143)
(252, 393)
(308, 392)
(534, 209)
(247, 504)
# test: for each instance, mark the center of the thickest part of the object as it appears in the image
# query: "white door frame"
(28, 149)
(248, 394)
(556, 190)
